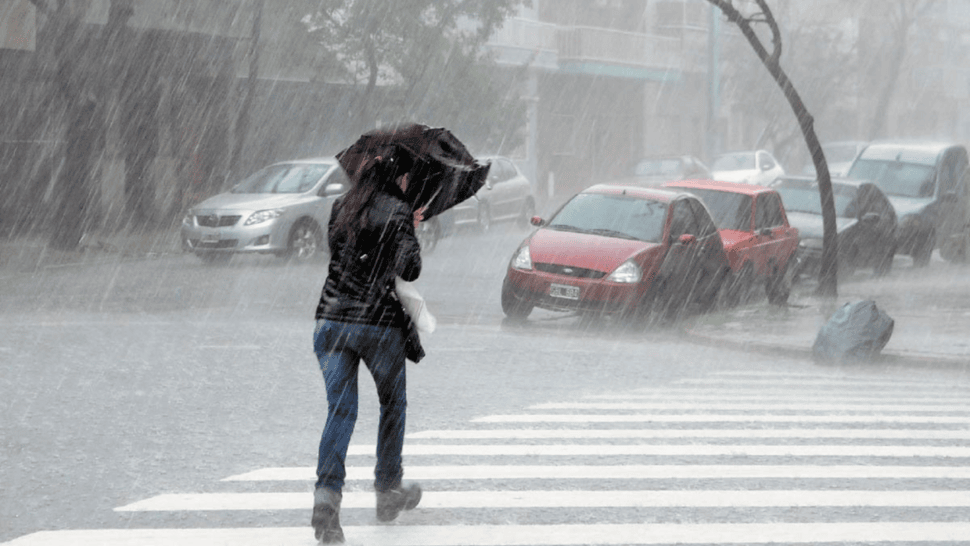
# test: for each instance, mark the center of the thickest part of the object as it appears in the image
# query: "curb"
(791, 351)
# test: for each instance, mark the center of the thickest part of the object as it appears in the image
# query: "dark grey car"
(927, 184)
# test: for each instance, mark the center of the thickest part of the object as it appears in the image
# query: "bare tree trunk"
(827, 279)
(242, 122)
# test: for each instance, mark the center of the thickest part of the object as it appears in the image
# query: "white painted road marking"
(524, 535)
(711, 498)
(754, 406)
(696, 450)
(721, 418)
(626, 472)
(642, 433)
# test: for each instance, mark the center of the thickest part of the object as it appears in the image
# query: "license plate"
(564, 291)
(210, 238)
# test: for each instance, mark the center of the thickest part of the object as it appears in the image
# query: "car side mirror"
(334, 189)
(765, 232)
(687, 239)
(871, 218)
(537, 221)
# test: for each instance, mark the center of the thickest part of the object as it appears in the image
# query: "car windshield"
(840, 153)
(653, 167)
(896, 177)
(734, 162)
(729, 210)
(803, 196)
(613, 216)
(284, 178)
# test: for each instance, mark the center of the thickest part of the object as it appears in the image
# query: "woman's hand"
(419, 216)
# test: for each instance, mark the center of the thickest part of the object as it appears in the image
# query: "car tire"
(778, 287)
(428, 234)
(484, 218)
(528, 211)
(923, 251)
(304, 242)
(885, 264)
(739, 286)
(514, 307)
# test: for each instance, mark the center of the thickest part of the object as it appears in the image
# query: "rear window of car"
(896, 177)
(286, 178)
(612, 216)
(729, 210)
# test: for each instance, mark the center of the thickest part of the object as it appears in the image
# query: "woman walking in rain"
(372, 241)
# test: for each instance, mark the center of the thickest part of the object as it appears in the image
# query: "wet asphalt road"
(128, 379)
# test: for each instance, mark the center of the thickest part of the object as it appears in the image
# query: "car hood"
(742, 175)
(583, 249)
(810, 225)
(905, 206)
(252, 201)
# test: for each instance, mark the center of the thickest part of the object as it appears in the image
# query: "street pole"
(711, 143)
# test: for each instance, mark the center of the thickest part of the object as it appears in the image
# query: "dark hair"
(375, 175)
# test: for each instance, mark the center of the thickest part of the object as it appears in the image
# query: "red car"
(618, 249)
(758, 240)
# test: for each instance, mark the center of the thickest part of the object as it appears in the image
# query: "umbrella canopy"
(444, 172)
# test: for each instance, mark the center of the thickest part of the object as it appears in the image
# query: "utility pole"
(712, 144)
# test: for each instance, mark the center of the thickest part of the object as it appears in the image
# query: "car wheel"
(923, 251)
(739, 286)
(428, 234)
(528, 211)
(513, 306)
(778, 287)
(484, 218)
(885, 264)
(304, 242)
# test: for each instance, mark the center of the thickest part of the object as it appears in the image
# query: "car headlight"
(522, 259)
(628, 272)
(189, 219)
(261, 216)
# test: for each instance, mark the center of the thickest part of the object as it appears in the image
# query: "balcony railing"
(598, 45)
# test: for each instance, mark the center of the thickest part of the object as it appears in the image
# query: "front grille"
(214, 220)
(570, 271)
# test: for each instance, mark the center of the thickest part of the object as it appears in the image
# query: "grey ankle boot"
(326, 516)
(391, 502)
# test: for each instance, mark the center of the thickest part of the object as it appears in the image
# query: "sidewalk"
(930, 307)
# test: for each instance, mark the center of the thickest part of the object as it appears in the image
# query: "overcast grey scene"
(662, 271)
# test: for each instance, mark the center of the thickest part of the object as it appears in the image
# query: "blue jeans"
(340, 347)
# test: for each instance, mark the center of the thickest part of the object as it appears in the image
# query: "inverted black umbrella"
(444, 173)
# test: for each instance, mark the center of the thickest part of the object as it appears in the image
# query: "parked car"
(615, 249)
(756, 167)
(839, 157)
(506, 196)
(654, 171)
(759, 242)
(865, 222)
(281, 209)
(927, 184)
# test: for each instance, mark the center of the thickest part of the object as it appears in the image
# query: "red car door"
(775, 239)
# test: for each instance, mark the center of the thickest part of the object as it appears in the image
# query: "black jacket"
(360, 281)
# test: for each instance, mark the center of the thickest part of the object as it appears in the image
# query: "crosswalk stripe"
(759, 406)
(711, 498)
(605, 450)
(720, 418)
(524, 535)
(625, 472)
(767, 395)
(863, 383)
(646, 433)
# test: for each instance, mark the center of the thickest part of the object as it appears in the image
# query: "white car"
(282, 209)
(506, 196)
(757, 167)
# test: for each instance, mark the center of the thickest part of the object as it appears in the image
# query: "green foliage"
(427, 58)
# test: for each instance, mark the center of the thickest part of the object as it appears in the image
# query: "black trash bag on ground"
(857, 331)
